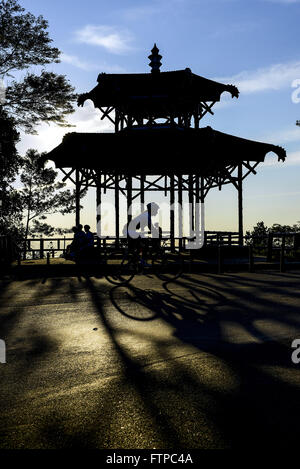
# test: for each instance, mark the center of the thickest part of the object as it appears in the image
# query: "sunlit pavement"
(204, 362)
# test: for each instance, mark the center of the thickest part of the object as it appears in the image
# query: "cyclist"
(142, 222)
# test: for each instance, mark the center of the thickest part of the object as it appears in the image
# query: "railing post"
(282, 259)
(48, 258)
(220, 260)
(41, 248)
(251, 260)
(270, 247)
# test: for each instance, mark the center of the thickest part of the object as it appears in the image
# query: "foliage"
(24, 42)
(41, 195)
(10, 163)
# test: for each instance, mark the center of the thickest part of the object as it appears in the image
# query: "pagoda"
(158, 144)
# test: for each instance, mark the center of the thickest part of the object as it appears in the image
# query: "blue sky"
(253, 44)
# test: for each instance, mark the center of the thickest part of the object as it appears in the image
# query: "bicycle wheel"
(167, 266)
(121, 267)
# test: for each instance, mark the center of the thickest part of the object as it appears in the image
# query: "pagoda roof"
(175, 89)
(159, 150)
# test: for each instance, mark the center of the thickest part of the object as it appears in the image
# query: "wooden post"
(117, 210)
(172, 213)
(142, 192)
(129, 199)
(142, 197)
(282, 259)
(197, 206)
(270, 247)
(98, 209)
(41, 248)
(180, 212)
(48, 258)
(240, 202)
(77, 197)
(251, 260)
(191, 207)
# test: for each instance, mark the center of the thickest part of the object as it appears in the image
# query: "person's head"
(152, 208)
(74, 229)
(87, 228)
(79, 227)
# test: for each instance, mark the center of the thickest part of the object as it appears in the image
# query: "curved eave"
(160, 151)
(113, 90)
(258, 149)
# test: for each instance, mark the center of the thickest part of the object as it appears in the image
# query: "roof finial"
(155, 60)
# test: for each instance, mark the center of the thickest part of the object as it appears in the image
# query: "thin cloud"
(282, 136)
(100, 67)
(110, 38)
(274, 77)
(76, 62)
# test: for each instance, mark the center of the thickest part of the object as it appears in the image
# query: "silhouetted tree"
(38, 97)
(10, 163)
(41, 195)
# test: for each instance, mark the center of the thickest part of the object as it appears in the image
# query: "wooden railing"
(39, 247)
(54, 245)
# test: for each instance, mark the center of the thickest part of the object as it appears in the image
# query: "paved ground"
(204, 362)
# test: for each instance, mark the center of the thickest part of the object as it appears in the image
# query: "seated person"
(72, 248)
(89, 237)
(143, 223)
(78, 244)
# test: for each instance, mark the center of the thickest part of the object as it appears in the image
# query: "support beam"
(77, 197)
(142, 197)
(172, 213)
(117, 210)
(98, 219)
(180, 211)
(191, 207)
(129, 199)
(240, 203)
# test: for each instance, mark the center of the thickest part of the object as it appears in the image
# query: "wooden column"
(142, 197)
(172, 213)
(191, 206)
(142, 187)
(98, 218)
(197, 206)
(180, 211)
(202, 199)
(117, 209)
(240, 203)
(77, 197)
(129, 199)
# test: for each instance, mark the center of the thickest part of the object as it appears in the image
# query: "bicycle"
(143, 257)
